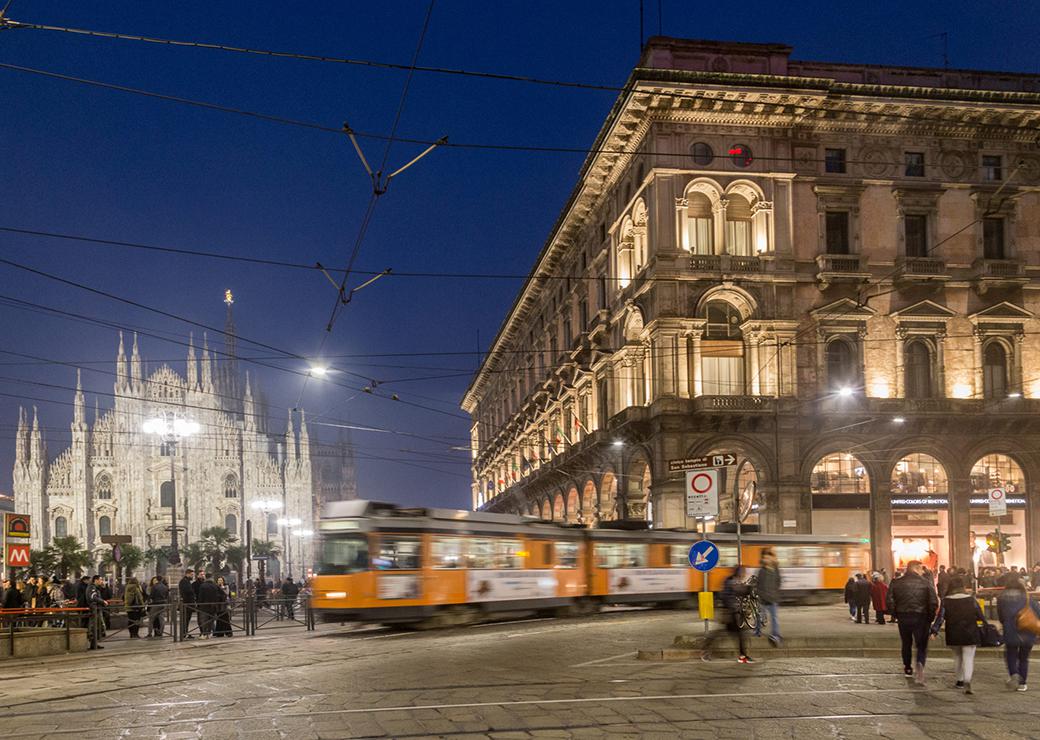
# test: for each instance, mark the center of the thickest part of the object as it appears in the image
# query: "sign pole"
(704, 536)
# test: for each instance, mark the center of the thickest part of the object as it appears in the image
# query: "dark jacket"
(290, 590)
(962, 613)
(81, 594)
(185, 589)
(1009, 604)
(862, 593)
(912, 594)
(159, 593)
(732, 589)
(850, 591)
(768, 585)
(211, 596)
(13, 598)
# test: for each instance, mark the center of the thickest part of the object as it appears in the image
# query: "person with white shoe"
(1017, 642)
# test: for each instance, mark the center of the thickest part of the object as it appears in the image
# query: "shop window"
(834, 161)
(914, 164)
(839, 473)
(917, 361)
(566, 554)
(919, 474)
(915, 231)
(997, 471)
(449, 552)
(837, 236)
(995, 371)
(398, 553)
(993, 238)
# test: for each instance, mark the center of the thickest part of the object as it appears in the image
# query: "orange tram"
(438, 567)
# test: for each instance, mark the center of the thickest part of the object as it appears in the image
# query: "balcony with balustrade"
(841, 268)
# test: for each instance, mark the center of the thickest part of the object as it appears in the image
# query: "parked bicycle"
(750, 613)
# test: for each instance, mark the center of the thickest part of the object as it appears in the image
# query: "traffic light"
(1005, 542)
(993, 542)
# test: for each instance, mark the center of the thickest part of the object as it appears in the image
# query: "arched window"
(722, 351)
(166, 494)
(699, 235)
(104, 526)
(608, 498)
(231, 523)
(917, 361)
(546, 511)
(573, 506)
(558, 508)
(841, 364)
(103, 487)
(995, 371)
(738, 225)
(272, 524)
(61, 527)
(919, 474)
(997, 471)
(839, 473)
(230, 487)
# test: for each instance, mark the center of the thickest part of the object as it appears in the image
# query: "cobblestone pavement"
(538, 678)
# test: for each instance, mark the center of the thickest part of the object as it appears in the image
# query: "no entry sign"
(702, 493)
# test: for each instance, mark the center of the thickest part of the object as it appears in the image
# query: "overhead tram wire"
(411, 68)
(477, 145)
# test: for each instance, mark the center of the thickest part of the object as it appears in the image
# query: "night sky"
(100, 163)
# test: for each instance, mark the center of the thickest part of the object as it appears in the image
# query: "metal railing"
(13, 621)
(841, 263)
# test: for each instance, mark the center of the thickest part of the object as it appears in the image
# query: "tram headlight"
(336, 595)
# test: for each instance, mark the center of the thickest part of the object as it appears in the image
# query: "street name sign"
(997, 502)
(704, 555)
(702, 493)
(116, 539)
(719, 460)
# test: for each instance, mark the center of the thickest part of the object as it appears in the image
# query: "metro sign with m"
(17, 556)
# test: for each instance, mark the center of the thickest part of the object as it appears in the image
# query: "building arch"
(61, 526)
(920, 374)
(546, 510)
(707, 187)
(608, 497)
(740, 299)
(103, 486)
(638, 479)
(559, 507)
(634, 324)
(997, 368)
(573, 505)
(919, 490)
(589, 508)
(230, 486)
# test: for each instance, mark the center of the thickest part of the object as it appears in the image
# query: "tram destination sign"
(718, 460)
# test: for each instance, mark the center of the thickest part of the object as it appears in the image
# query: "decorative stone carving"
(875, 161)
(954, 165)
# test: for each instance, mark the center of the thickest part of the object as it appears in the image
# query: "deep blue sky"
(95, 162)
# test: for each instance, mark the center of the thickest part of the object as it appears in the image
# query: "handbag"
(1027, 621)
(989, 635)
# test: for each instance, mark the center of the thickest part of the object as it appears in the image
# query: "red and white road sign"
(997, 502)
(702, 493)
(17, 556)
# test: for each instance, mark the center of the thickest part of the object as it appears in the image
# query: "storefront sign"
(942, 502)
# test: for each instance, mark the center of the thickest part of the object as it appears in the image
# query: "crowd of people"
(207, 598)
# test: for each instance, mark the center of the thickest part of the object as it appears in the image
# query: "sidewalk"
(807, 631)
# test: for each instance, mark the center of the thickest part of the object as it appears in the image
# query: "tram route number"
(719, 460)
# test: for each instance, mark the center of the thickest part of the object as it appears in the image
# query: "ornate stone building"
(829, 270)
(115, 478)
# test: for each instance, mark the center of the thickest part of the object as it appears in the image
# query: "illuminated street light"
(845, 392)
(319, 371)
(303, 534)
(171, 429)
(898, 420)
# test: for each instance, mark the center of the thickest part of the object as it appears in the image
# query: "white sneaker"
(1021, 687)
(1013, 681)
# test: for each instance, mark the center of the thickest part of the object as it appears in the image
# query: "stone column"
(682, 364)
(695, 353)
(754, 340)
(880, 525)
(669, 504)
(940, 364)
(718, 211)
(900, 339)
(959, 515)
(977, 378)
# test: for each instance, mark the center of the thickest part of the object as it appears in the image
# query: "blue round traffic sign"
(704, 555)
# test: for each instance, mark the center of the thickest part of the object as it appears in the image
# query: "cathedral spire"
(207, 370)
(290, 440)
(304, 437)
(121, 376)
(193, 367)
(79, 412)
(36, 442)
(21, 440)
(136, 373)
(248, 407)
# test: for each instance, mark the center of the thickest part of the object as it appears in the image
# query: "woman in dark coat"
(223, 626)
(962, 613)
(850, 598)
(1017, 643)
(878, 595)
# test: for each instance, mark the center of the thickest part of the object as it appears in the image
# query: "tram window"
(481, 554)
(833, 557)
(343, 555)
(727, 555)
(679, 556)
(566, 555)
(398, 553)
(448, 552)
(620, 555)
(786, 556)
(810, 557)
(857, 558)
(507, 554)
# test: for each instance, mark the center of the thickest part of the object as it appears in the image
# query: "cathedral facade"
(115, 478)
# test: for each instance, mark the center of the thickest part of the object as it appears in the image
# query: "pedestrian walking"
(913, 600)
(133, 599)
(1018, 643)
(289, 592)
(961, 614)
(158, 598)
(943, 581)
(768, 586)
(96, 604)
(223, 624)
(861, 594)
(878, 594)
(850, 597)
(733, 588)
(211, 599)
(188, 601)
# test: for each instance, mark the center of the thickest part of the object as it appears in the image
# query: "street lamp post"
(285, 524)
(302, 534)
(171, 429)
(266, 506)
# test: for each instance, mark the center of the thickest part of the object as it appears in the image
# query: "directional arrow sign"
(716, 460)
(704, 555)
